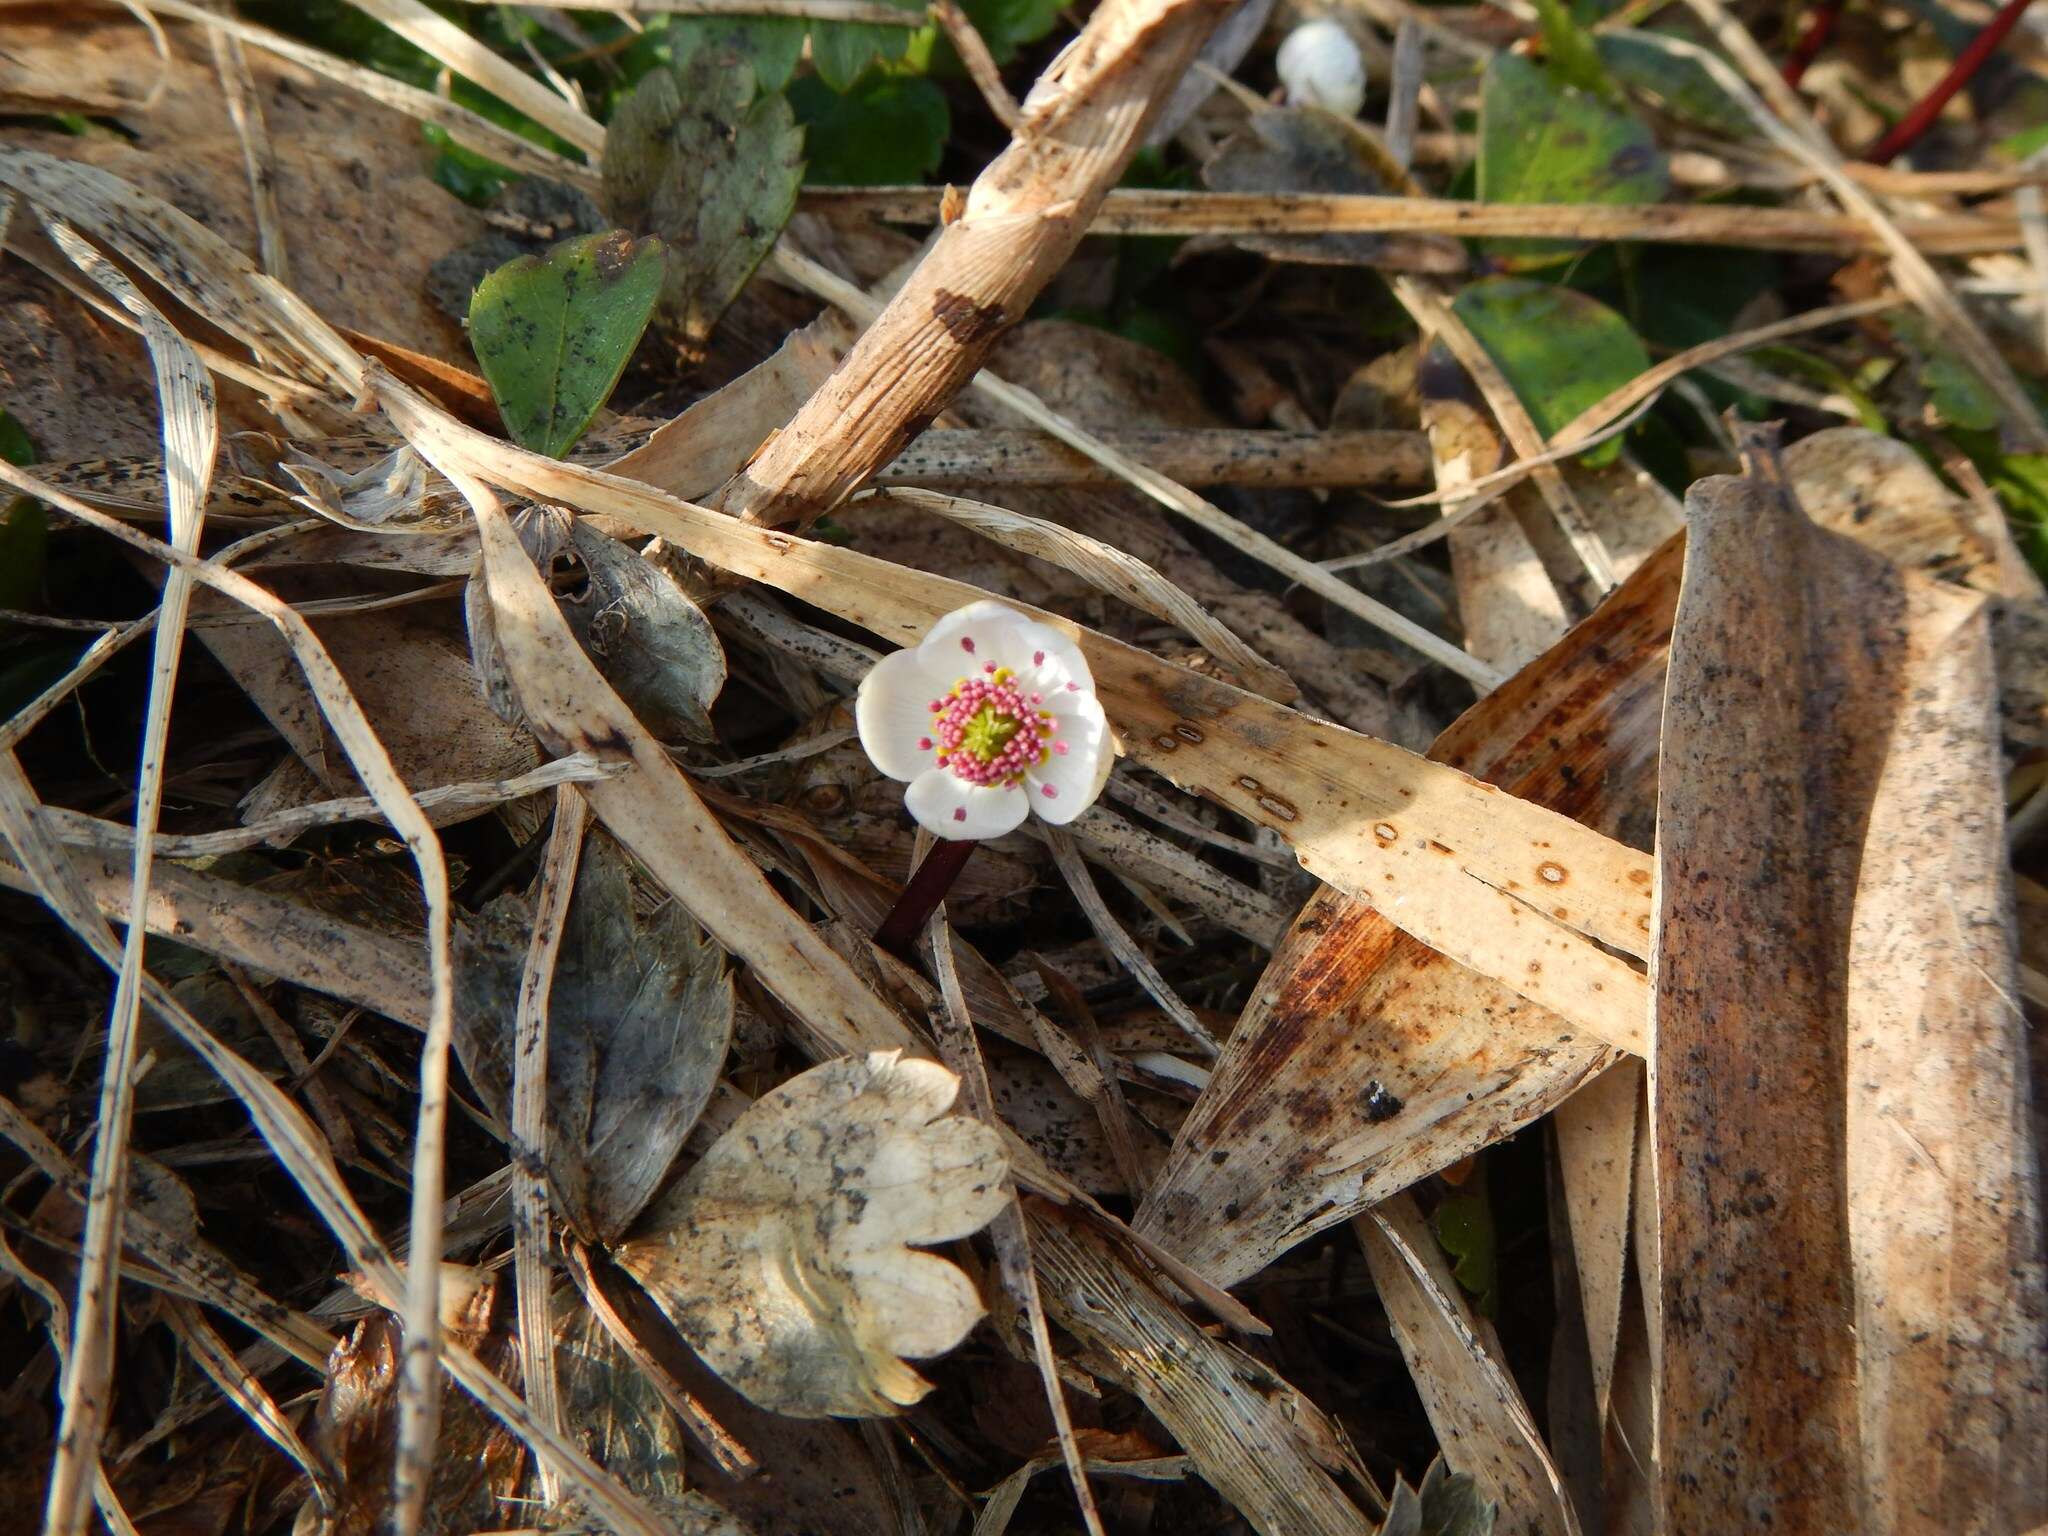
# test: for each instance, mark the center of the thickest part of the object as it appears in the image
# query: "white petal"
(946, 805)
(979, 622)
(1066, 784)
(893, 712)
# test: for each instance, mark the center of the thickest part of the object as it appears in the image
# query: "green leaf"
(1464, 1225)
(1958, 396)
(843, 50)
(553, 333)
(1572, 52)
(716, 179)
(1543, 141)
(1561, 350)
(888, 129)
(1007, 25)
(1677, 82)
(24, 527)
(2020, 481)
(1448, 1504)
(773, 45)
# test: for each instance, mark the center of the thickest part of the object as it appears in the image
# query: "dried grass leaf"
(784, 1256)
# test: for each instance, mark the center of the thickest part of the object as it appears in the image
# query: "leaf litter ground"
(494, 748)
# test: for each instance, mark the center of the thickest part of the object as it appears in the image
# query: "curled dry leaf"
(785, 1256)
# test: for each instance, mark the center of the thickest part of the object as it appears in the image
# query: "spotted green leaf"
(553, 332)
(1542, 140)
(697, 156)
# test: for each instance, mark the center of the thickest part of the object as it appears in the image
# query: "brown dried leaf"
(1816, 696)
(785, 1255)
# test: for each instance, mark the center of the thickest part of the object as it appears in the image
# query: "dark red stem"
(1815, 38)
(921, 896)
(1907, 131)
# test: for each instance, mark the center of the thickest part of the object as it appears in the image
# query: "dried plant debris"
(789, 1255)
(1545, 940)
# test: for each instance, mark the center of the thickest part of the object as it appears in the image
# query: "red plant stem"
(1815, 38)
(921, 896)
(1907, 131)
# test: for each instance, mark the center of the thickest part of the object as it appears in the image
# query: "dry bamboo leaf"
(639, 1019)
(1365, 1060)
(1804, 670)
(784, 1256)
(1944, 1201)
(1257, 1441)
(1481, 1421)
(1494, 882)
(650, 640)
(1596, 1146)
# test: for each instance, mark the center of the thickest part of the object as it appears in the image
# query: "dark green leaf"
(717, 179)
(1448, 1504)
(1677, 83)
(843, 50)
(1007, 25)
(887, 129)
(772, 45)
(1561, 350)
(553, 333)
(1544, 141)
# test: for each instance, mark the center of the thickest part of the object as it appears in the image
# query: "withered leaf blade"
(639, 1020)
(1851, 1220)
(785, 1255)
(1365, 1059)
(649, 639)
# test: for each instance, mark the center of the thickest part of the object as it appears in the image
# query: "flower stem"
(1815, 38)
(921, 896)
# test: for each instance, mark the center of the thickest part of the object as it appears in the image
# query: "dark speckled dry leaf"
(639, 1018)
(649, 639)
(787, 1256)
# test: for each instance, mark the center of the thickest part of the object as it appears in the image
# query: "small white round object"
(1320, 66)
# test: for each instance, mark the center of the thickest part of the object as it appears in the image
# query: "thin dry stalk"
(979, 62)
(529, 1118)
(1148, 211)
(245, 110)
(191, 438)
(333, 1120)
(1010, 457)
(209, 1351)
(961, 1051)
(1074, 870)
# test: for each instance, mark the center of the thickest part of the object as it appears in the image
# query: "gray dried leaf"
(639, 1019)
(786, 1255)
(651, 642)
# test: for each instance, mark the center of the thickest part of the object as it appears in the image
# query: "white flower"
(1320, 66)
(992, 717)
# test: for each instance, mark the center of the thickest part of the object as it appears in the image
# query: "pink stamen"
(959, 813)
(988, 666)
(1024, 746)
(1073, 687)
(1060, 747)
(1050, 791)
(924, 743)
(1038, 658)
(967, 644)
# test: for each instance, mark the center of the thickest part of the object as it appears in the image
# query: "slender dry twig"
(1148, 211)
(245, 110)
(979, 62)
(529, 1117)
